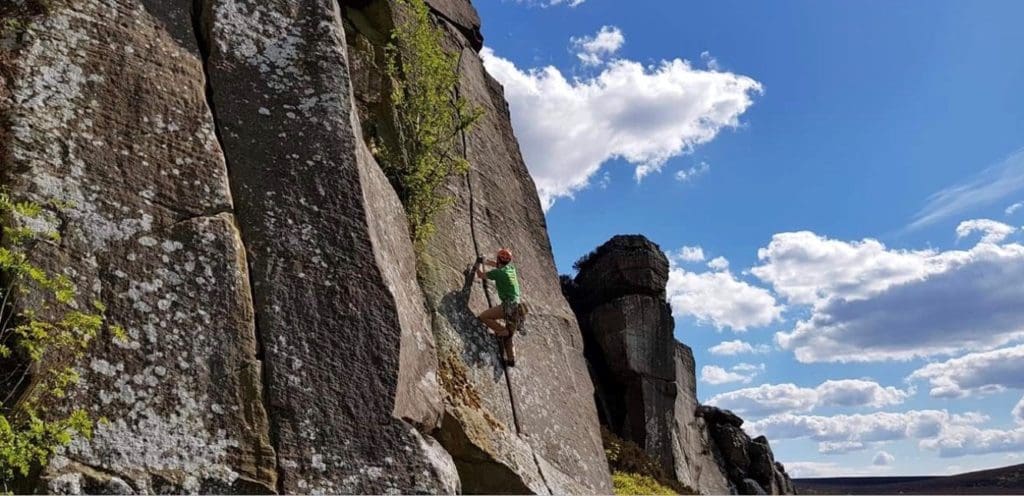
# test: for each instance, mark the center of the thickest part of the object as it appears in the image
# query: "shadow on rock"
(454, 307)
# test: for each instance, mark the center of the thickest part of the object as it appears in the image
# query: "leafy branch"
(429, 117)
(43, 329)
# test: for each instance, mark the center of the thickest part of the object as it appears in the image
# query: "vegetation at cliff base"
(626, 483)
(429, 117)
(634, 471)
(43, 329)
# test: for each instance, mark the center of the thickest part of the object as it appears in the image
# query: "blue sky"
(855, 163)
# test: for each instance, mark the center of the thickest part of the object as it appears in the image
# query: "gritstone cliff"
(283, 334)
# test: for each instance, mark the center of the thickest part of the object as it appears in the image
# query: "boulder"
(750, 486)
(717, 416)
(646, 381)
(624, 265)
(618, 298)
(733, 444)
(632, 332)
(762, 462)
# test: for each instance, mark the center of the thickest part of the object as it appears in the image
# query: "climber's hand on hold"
(479, 260)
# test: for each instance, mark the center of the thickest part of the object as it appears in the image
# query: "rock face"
(336, 306)
(501, 428)
(106, 110)
(646, 381)
(621, 307)
(749, 463)
(699, 463)
(283, 337)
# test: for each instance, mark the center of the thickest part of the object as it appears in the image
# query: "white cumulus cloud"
(687, 254)
(771, 399)
(738, 347)
(988, 371)
(960, 440)
(840, 447)
(803, 469)
(643, 114)
(942, 303)
(992, 231)
(883, 458)
(806, 268)
(713, 374)
(857, 392)
(720, 299)
(1012, 209)
(815, 469)
(869, 427)
(593, 50)
(718, 263)
(1018, 411)
(767, 399)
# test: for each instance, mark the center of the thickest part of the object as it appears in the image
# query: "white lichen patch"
(176, 443)
(166, 421)
(263, 37)
(104, 367)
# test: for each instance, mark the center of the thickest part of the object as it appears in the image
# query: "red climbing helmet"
(504, 255)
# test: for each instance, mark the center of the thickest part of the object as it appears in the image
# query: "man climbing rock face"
(511, 309)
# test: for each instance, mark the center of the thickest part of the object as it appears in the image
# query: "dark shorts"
(515, 312)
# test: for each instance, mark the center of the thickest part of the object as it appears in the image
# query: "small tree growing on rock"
(43, 329)
(429, 117)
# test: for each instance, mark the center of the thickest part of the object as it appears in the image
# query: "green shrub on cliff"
(634, 471)
(429, 117)
(626, 483)
(43, 329)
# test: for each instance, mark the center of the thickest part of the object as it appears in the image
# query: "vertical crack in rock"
(202, 34)
(476, 246)
(350, 362)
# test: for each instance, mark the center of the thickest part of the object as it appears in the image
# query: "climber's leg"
(510, 351)
(490, 318)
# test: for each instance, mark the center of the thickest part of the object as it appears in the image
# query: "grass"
(634, 471)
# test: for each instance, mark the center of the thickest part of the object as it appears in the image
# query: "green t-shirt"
(507, 281)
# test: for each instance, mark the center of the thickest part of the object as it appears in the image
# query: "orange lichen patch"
(461, 392)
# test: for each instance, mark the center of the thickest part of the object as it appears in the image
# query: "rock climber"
(511, 309)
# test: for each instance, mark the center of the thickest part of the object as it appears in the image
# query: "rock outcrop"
(646, 381)
(749, 463)
(502, 429)
(225, 204)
